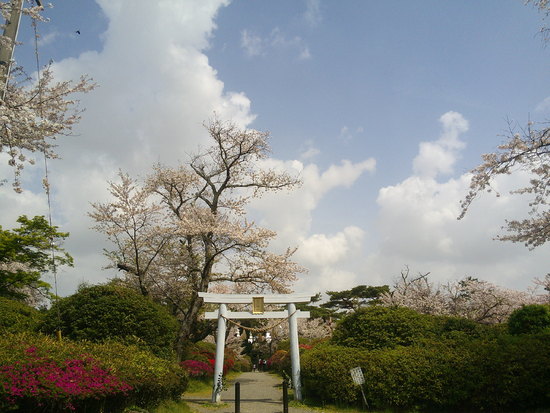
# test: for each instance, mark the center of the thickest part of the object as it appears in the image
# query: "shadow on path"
(260, 393)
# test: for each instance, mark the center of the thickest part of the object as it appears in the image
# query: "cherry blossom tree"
(528, 151)
(474, 299)
(545, 284)
(544, 7)
(34, 111)
(417, 293)
(184, 229)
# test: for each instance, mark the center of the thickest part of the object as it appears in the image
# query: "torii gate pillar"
(294, 350)
(223, 315)
(220, 344)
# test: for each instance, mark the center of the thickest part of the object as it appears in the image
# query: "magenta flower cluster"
(197, 368)
(48, 381)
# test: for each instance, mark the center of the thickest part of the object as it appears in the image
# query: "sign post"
(359, 380)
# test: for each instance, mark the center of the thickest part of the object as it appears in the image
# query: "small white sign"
(357, 376)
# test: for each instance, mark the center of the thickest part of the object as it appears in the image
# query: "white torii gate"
(257, 300)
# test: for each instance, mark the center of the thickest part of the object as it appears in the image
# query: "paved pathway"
(260, 393)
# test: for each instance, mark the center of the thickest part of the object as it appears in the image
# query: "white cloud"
(327, 279)
(322, 250)
(48, 38)
(312, 15)
(280, 41)
(438, 157)
(290, 214)
(256, 45)
(347, 135)
(344, 133)
(304, 53)
(309, 151)
(252, 43)
(417, 222)
(544, 106)
(330, 258)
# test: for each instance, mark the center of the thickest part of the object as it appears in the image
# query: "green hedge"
(430, 376)
(35, 371)
(16, 317)
(529, 319)
(103, 312)
(509, 373)
(380, 327)
(325, 372)
(512, 373)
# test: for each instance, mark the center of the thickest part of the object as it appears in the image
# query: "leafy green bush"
(199, 360)
(38, 373)
(325, 372)
(434, 375)
(243, 363)
(507, 373)
(200, 351)
(154, 379)
(381, 327)
(448, 325)
(280, 362)
(511, 373)
(103, 312)
(529, 319)
(16, 316)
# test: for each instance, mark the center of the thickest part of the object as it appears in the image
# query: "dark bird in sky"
(77, 32)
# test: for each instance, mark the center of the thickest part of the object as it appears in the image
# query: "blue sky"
(383, 107)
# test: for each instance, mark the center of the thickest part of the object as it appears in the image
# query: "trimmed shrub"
(198, 369)
(280, 362)
(381, 327)
(200, 351)
(16, 316)
(38, 373)
(529, 319)
(511, 373)
(104, 312)
(41, 380)
(448, 326)
(154, 379)
(325, 372)
(505, 374)
(243, 363)
(200, 360)
(434, 375)
(400, 377)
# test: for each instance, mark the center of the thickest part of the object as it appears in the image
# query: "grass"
(196, 388)
(338, 409)
(324, 409)
(199, 387)
(204, 387)
(173, 407)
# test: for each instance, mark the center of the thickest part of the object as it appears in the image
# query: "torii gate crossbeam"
(222, 315)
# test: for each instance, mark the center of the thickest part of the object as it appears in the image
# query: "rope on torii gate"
(258, 330)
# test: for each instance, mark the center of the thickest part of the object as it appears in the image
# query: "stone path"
(260, 393)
